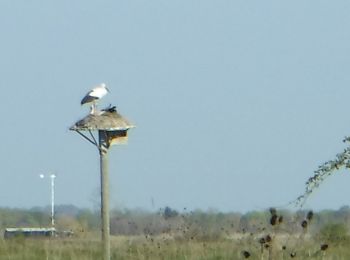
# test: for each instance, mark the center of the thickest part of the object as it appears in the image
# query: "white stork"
(94, 95)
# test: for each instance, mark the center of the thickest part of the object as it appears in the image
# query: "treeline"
(187, 224)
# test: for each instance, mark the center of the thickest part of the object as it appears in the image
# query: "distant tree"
(343, 214)
(334, 233)
(254, 221)
(169, 213)
(67, 222)
(88, 219)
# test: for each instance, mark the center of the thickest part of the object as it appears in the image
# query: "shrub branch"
(325, 170)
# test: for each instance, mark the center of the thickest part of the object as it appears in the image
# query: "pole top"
(107, 119)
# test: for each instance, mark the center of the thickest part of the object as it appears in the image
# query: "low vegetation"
(171, 234)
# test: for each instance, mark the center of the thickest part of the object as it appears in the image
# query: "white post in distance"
(52, 176)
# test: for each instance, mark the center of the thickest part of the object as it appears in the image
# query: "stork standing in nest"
(93, 96)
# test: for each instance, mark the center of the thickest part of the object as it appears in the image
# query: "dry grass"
(164, 247)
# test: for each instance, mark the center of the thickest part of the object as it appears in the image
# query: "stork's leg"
(93, 108)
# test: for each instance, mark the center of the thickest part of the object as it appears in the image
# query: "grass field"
(161, 247)
(256, 235)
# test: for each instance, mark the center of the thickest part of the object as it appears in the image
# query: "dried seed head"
(246, 254)
(273, 220)
(268, 238)
(324, 247)
(273, 211)
(310, 215)
(304, 224)
(280, 219)
(284, 247)
(262, 240)
(293, 254)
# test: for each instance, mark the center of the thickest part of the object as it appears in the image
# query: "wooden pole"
(103, 143)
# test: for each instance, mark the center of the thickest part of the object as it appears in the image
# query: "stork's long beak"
(107, 90)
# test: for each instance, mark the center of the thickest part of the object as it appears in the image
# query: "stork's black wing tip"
(88, 99)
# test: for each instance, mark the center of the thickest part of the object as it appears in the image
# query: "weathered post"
(112, 129)
(103, 143)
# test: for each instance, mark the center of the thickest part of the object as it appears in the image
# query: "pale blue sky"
(236, 102)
